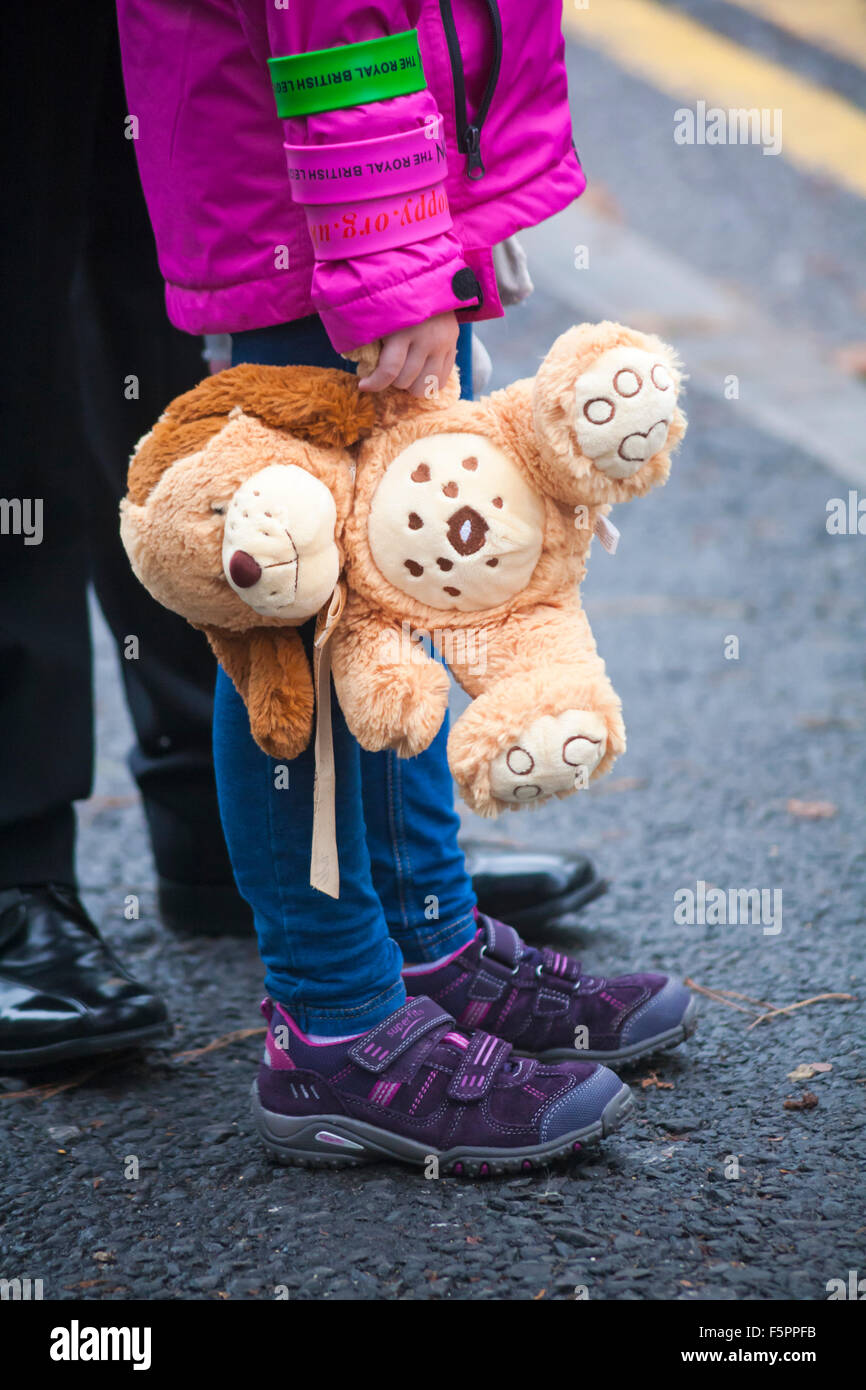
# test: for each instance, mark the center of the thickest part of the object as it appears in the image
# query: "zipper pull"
(472, 148)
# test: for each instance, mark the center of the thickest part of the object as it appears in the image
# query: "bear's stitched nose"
(466, 530)
(244, 570)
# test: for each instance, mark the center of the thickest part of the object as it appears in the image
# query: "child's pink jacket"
(210, 152)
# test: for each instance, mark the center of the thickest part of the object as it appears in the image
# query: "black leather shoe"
(63, 994)
(531, 891)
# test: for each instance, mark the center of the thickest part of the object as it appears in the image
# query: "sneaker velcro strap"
(480, 1063)
(502, 943)
(376, 1050)
(487, 987)
(555, 963)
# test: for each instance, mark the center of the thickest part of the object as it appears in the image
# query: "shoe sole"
(83, 1048)
(340, 1141)
(662, 1042)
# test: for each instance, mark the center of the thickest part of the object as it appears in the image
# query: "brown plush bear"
(234, 516)
(472, 522)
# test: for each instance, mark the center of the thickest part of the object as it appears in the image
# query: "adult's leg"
(63, 994)
(132, 362)
(45, 702)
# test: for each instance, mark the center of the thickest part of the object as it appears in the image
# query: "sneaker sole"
(340, 1141)
(662, 1042)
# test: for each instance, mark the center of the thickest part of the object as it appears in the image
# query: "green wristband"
(332, 78)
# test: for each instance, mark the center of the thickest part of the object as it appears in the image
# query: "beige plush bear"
(234, 516)
(472, 522)
(469, 521)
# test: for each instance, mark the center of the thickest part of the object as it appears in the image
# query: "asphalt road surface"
(733, 624)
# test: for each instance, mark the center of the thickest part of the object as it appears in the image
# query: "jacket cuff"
(365, 196)
(406, 287)
(400, 162)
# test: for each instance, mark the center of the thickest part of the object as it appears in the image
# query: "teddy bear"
(233, 518)
(467, 521)
(472, 524)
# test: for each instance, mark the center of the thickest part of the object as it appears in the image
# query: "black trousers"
(89, 362)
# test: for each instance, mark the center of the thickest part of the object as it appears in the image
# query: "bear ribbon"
(324, 857)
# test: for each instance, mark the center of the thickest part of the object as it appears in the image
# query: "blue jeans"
(405, 895)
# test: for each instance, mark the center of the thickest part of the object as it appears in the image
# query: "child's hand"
(419, 359)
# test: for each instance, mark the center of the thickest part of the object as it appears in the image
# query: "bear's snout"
(244, 571)
(279, 551)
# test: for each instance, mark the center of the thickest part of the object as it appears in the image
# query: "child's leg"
(412, 1088)
(330, 962)
(418, 867)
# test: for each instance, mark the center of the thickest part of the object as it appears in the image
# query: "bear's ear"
(270, 671)
(320, 404)
(169, 440)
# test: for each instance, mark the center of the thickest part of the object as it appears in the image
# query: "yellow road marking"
(820, 130)
(839, 26)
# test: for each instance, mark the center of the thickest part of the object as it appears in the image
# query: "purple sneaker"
(543, 1004)
(415, 1088)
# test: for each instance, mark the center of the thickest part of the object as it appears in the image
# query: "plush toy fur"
(544, 717)
(183, 477)
(469, 521)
